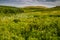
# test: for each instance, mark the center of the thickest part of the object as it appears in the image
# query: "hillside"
(29, 23)
(9, 9)
(40, 8)
(57, 8)
(34, 8)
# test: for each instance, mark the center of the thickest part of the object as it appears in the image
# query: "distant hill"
(41, 8)
(35, 8)
(9, 9)
(56, 8)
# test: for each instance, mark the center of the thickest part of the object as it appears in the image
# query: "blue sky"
(22, 3)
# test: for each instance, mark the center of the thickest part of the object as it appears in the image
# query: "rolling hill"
(29, 23)
(9, 9)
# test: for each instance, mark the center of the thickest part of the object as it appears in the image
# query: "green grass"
(43, 25)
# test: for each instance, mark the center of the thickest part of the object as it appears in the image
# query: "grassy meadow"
(29, 23)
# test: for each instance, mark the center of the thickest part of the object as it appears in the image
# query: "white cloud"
(57, 3)
(30, 2)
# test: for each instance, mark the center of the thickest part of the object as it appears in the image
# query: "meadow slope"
(36, 23)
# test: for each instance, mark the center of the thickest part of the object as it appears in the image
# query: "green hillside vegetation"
(29, 23)
(40, 9)
(8, 9)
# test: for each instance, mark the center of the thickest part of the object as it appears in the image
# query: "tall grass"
(30, 26)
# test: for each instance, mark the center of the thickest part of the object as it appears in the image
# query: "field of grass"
(30, 25)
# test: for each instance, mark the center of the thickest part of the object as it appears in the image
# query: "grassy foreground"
(27, 25)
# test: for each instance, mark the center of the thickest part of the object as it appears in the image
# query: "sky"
(22, 3)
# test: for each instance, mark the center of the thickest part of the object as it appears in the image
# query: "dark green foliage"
(54, 15)
(16, 20)
(10, 10)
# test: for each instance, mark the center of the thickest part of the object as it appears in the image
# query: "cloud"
(50, 0)
(57, 3)
(46, 0)
(30, 2)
